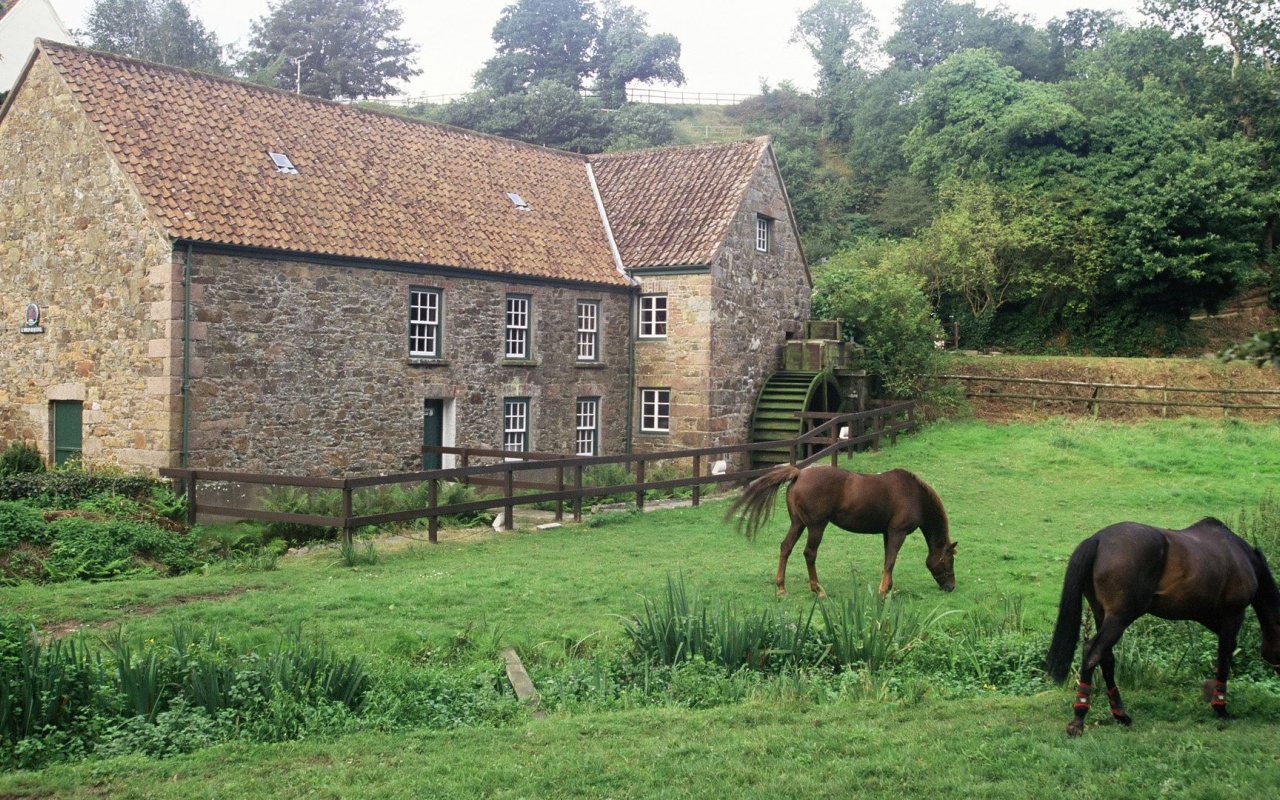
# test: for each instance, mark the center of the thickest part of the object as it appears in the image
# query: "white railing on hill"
(635, 94)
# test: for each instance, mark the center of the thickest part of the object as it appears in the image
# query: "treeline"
(1079, 187)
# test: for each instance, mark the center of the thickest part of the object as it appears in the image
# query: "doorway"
(437, 431)
(67, 421)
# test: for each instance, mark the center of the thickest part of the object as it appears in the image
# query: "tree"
(1248, 26)
(541, 40)
(337, 48)
(163, 31)
(625, 52)
(930, 31)
(840, 36)
(568, 41)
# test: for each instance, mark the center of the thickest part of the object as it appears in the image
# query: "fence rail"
(828, 436)
(1094, 399)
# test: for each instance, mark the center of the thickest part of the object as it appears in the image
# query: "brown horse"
(893, 503)
(1204, 573)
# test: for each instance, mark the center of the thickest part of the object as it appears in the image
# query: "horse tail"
(757, 499)
(1066, 633)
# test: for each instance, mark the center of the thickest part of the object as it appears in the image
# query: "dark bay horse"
(893, 503)
(1204, 573)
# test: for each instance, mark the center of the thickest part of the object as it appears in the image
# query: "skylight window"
(518, 200)
(283, 164)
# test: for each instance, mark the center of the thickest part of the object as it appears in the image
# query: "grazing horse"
(1204, 573)
(893, 503)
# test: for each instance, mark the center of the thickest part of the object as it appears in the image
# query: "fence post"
(697, 487)
(346, 512)
(466, 460)
(560, 488)
(191, 498)
(509, 492)
(577, 488)
(433, 499)
(640, 481)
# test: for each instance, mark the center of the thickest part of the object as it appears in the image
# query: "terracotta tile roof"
(370, 185)
(673, 206)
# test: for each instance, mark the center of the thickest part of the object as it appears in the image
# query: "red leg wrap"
(1219, 698)
(1083, 691)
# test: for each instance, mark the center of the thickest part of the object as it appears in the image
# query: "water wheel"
(783, 396)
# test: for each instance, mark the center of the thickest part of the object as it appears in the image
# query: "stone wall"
(726, 326)
(75, 239)
(302, 367)
(680, 362)
(760, 300)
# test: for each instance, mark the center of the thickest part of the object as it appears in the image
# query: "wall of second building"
(76, 241)
(679, 362)
(760, 299)
(304, 368)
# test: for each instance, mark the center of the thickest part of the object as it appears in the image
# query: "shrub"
(93, 550)
(20, 458)
(19, 523)
(883, 308)
(297, 500)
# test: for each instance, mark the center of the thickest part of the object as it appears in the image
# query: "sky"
(727, 46)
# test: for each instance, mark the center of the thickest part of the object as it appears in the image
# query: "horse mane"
(1268, 596)
(935, 515)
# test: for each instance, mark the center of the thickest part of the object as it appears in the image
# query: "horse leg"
(892, 544)
(1215, 689)
(811, 556)
(1097, 651)
(1108, 664)
(788, 543)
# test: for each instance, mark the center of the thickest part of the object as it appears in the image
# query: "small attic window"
(518, 201)
(283, 164)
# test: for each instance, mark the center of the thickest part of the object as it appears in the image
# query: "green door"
(432, 431)
(68, 430)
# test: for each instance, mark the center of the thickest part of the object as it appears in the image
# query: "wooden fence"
(1089, 393)
(549, 478)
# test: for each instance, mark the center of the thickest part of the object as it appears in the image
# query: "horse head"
(943, 567)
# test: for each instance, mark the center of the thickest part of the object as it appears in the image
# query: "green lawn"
(1020, 497)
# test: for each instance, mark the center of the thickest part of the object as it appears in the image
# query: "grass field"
(1020, 497)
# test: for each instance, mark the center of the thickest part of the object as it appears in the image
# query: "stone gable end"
(76, 240)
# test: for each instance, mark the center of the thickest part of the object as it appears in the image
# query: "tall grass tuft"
(872, 631)
(1260, 525)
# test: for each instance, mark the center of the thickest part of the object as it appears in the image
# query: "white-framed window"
(762, 233)
(655, 410)
(517, 329)
(424, 322)
(515, 424)
(588, 330)
(653, 316)
(587, 426)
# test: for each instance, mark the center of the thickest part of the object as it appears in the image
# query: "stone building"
(197, 271)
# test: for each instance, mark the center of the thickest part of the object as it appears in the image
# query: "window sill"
(654, 433)
(661, 338)
(420, 361)
(590, 365)
(519, 362)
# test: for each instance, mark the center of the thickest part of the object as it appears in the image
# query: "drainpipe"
(186, 358)
(631, 367)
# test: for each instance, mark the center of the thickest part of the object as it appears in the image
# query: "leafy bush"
(20, 522)
(20, 458)
(884, 309)
(90, 549)
(65, 487)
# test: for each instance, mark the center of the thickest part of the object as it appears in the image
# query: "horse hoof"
(1075, 727)
(782, 592)
(1124, 719)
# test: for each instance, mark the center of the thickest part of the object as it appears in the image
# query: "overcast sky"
(728, 46)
